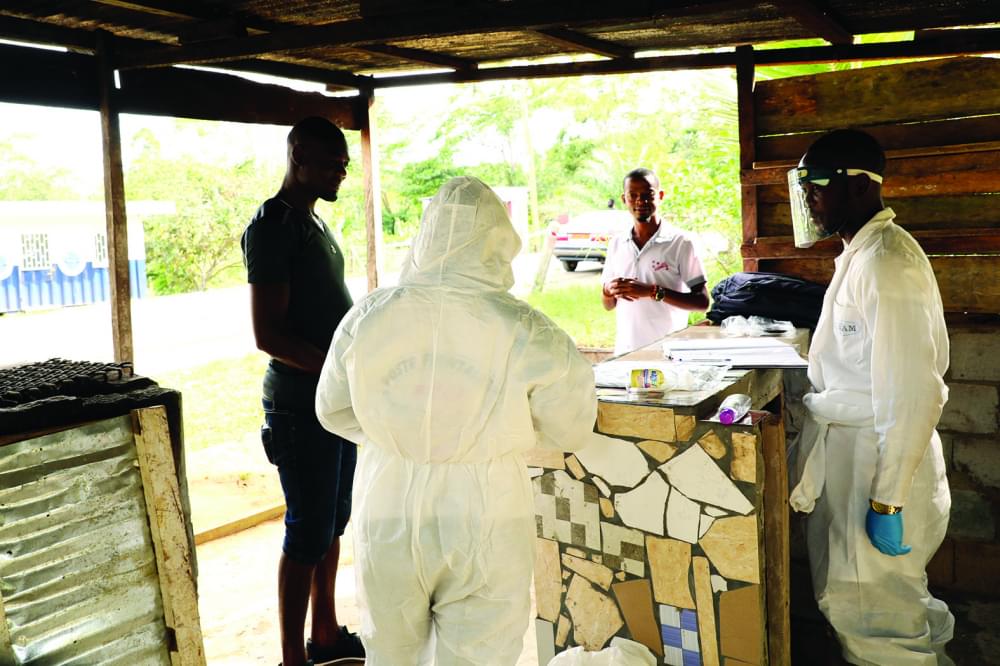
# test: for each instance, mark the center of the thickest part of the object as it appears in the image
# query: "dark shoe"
(309, 662)
(348, 645)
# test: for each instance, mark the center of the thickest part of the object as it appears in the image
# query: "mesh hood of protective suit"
(466, 240)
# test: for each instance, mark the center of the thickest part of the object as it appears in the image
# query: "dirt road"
(188, 330)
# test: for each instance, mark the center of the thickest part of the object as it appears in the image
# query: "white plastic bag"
(622, 652)
(736, 326)
(697, 376)
(761, 326)
(755, 327)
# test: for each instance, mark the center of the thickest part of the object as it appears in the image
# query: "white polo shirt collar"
(664, 234)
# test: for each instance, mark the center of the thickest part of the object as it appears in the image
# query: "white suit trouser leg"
(444, 557)
(879, 605)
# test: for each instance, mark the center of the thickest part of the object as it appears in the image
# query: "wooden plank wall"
(939, 121)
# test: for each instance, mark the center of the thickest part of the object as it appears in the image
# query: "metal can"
(646, 378)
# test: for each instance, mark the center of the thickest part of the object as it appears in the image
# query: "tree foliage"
(577, 137)
(23, 179)
(187, 250)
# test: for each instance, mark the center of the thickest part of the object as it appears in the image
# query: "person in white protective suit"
(871, 471)
(445, 381)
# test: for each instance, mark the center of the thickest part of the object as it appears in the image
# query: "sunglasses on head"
(821, 176)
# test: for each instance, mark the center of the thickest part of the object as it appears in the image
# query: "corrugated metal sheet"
(78, 580)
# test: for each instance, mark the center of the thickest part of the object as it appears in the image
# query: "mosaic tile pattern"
(548, 582)
(739, 612)
(616, 461)
(598, 574)
(670, 569)
(661, 452)
(624, 549)
(648, 538)
(642, 507)
(635, 599)
(704, 599)
(683, 517)
(679, 629)
(696, 475)
(567, 510)
(595, 615)
(731, 544)
(602, 486)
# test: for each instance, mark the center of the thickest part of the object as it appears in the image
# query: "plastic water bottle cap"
(727, 416)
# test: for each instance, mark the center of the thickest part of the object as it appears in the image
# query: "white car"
(585, 237)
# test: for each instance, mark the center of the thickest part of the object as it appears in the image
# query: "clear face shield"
(805, 230)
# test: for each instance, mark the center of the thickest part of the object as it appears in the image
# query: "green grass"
(579, 312)
(221, 399)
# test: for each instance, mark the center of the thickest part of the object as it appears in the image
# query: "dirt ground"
(237, 573)
(229, 482)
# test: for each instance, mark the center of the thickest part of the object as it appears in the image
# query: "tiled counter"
(664, 533)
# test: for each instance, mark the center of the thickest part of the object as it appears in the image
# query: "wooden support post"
(373, 193)
(7, 655)
(747, 134)
(777, 566)
(114, 204)
(168, 529)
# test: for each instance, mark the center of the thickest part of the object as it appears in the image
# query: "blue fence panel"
(51, 287)
(36, 289)
(10, 297)
(137, 275)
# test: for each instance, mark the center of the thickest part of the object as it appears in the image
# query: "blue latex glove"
(885, 531)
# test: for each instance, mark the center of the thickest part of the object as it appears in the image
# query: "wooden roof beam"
(550, 70)
(500, 17)
(421, 56)
(33, 76)
(191, 22)
(819, 21)
(957, 42)
(334, 79)
(24, 30)
(84, 41)
(211, 30)
(188, 10)
(577, 41)
(960, 42)
(168, 8)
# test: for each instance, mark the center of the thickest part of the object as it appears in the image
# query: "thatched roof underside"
(346, 43)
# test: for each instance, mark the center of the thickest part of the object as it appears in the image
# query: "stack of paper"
(736, 352)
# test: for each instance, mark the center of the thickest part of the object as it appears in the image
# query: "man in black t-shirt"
(298, 296)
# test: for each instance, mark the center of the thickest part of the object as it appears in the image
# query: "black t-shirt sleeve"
(268, 245)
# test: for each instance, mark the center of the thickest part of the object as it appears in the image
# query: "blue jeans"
(315, 466)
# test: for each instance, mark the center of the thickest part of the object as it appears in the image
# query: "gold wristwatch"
(886, 509)
(659, 293)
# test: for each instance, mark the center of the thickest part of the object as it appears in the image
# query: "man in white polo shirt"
(652, 276)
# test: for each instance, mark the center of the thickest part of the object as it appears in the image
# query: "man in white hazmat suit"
(871, 471)
(445, 381)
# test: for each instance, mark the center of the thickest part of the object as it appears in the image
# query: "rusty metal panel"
(78, 579)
